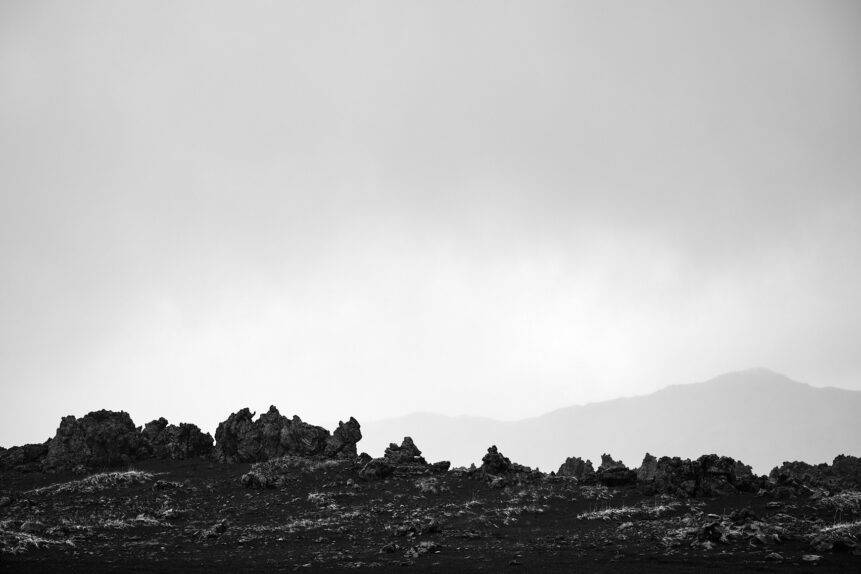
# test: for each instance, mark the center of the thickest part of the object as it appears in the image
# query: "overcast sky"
(374, 208)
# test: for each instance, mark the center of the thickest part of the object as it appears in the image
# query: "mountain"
(758, 416)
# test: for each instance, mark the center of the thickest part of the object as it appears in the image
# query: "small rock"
(33, 527)
(811, 557)
(376, 469)
(774, 556)
(215, 531)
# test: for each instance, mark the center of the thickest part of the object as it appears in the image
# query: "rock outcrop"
(576, 467)
(709, 475)
(648, 469)
(342, 443)
(101, 438)
(163, 440)
(407, 453)
(404, 459)
(26, 458)
(494, 462)
(376, 469)
(107, 439)
(614, 473)
(844, 472)
(500, 472)
(242, 439)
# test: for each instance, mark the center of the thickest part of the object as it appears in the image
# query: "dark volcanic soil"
(195, 516)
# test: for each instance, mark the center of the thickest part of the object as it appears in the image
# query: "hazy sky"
(372, 208)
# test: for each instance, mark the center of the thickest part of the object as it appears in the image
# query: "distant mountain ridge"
(758, 416)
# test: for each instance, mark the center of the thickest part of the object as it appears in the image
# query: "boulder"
(407, 453)
(363, 459)
(98, 439)
(376, 469)
(648, 469)
(614, 473)
(302, 439)
(607, 463)
(26, 458)
(575, 467)
(494, 463)
(342, 443)
(236, 439)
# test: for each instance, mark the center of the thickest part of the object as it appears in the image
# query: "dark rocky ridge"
(241, 439)
(104, 439)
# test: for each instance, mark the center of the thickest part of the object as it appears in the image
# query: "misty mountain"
(758, 416)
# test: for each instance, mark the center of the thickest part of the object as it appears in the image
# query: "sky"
(369, 209)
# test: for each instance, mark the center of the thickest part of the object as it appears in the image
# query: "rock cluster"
(242, 439)
(164, 440)
(614, 473)
(105, 439)
(709, 475)
(500, 472)
(100, 438)
(406, 458)
(407, 453)
(494, 462)
(26, 458)
(844, 472)
(575, 467)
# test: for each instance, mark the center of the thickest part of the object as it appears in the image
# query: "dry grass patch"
(640, 511)
(96, 482)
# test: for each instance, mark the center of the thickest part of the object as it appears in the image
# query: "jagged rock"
(648, 469)
(237, 439)
(577, 468)
(607, 463)
(301, 439)
(613, 473)
(342, 443)
(162, 440)
(494, 463)
(100, 439)
(376, 469)
(363, 459)
(26, 458)
(709, 475)
(407, 453)
(242, 439)
(844, 472)
(441, 466)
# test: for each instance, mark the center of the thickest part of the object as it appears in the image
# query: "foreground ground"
(196, 516)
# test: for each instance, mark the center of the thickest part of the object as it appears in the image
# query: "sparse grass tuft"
(853, 528)
(12, 541)
(139, 520)
(843, 501)
(95, 482)
(597, 492)
(272, 473)
(430, 486)
(617, 512)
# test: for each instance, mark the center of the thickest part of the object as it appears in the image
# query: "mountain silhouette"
(758, 416)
